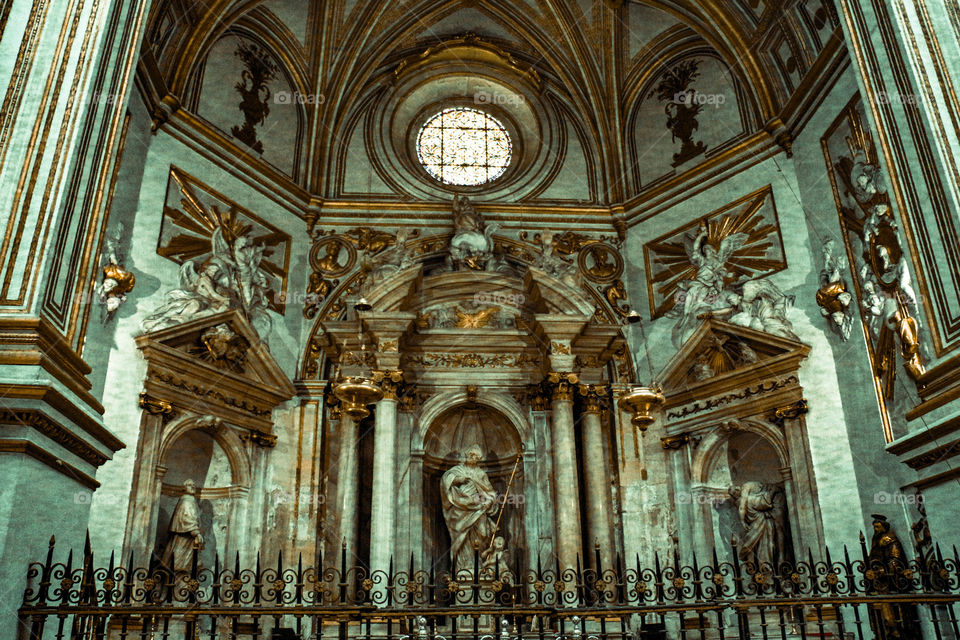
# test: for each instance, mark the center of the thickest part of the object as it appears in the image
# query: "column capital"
(561, 385)
(390, 382)
(594, 396)
(672, 443)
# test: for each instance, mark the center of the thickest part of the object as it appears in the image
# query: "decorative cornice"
(934, 456)
(48, 427)
(36, 452)
(749, 392)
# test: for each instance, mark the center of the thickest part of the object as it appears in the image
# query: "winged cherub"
(703, 291)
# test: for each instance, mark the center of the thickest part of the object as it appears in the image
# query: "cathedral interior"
(449, 319)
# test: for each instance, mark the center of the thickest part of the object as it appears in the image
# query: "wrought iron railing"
(837, 598)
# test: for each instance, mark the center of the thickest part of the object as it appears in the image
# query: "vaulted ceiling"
(597, 59)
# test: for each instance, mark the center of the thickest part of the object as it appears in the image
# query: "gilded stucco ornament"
(117, 281)
(833, 297)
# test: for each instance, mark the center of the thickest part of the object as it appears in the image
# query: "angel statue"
(703, 293)
(231, 278)
(472, 242)
(202, 292)
(241, 258)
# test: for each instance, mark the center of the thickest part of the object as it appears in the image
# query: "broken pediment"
(215, 365)
(720, 356)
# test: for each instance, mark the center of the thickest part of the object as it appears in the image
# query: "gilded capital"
(561, 385)
(390, 382)
(594, 396)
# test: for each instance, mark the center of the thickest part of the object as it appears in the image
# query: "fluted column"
(348, 484)
(566, 482)
(596, 473)
(384, 499)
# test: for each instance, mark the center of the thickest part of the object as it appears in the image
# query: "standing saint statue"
(184, 531)
(469, 504)
(761, 508)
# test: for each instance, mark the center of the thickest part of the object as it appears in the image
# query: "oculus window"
(461, 146)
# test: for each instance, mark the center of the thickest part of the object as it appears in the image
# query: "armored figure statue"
(469, 506)
(888, 571)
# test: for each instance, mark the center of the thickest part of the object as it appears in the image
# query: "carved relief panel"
(897, 339)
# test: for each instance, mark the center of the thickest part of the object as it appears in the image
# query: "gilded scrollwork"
(472, 360)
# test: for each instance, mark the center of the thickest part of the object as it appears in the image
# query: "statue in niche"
(761, 507)
(469, 505)
(833, 297)
(472, 242)
(184, 531)
(888, 571)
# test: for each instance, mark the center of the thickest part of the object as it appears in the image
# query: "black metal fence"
(834, 597)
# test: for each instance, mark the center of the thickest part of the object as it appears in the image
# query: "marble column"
(566, 482)
(596, 471)
(384, 499)
(348, 484)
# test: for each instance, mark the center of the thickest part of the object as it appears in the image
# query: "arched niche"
(445, 430)
(736, 453)
(742, 424)
(202, 450)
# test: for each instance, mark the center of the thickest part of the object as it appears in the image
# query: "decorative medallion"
(600, 262)
(333, 256)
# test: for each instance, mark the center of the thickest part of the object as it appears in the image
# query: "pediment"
(219, 361)
(721, 355)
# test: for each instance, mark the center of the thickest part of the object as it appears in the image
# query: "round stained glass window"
(464, 147)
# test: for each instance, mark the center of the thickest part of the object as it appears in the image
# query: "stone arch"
(443, 402)
(707, 454)
(226, 438)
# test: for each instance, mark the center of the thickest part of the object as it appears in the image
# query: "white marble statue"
(231, 278)
(761, 507)
(494, 562)
(472, 242)
(553, 263)
(383, 265)
(202, 292)
(469, 506)
(702, 294)
(184, 532)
